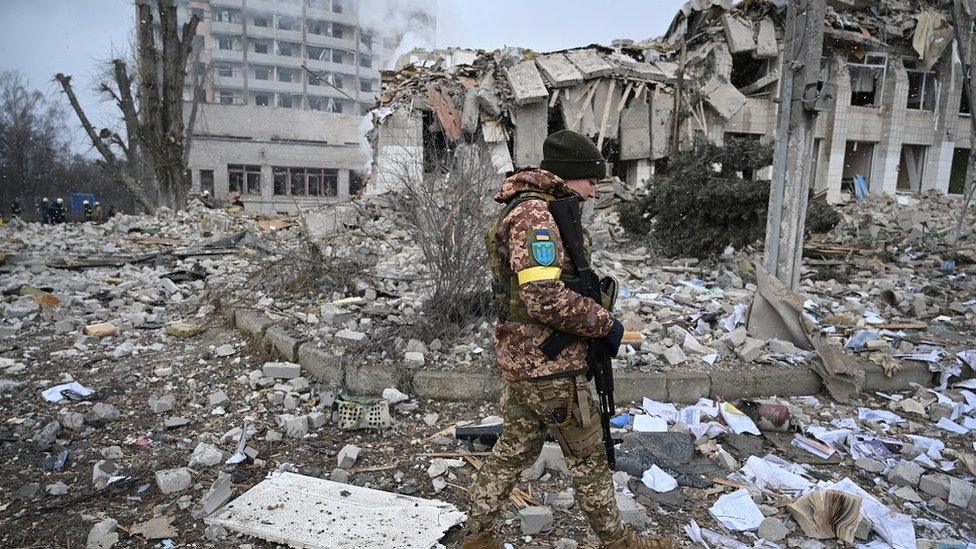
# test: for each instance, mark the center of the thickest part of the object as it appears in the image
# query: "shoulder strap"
(522, 197)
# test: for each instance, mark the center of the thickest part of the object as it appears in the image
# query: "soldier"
(89, 214)
(530, 272)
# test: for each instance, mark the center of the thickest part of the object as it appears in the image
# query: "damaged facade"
(267, 129)
(895, 111)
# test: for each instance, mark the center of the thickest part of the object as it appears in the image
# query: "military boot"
(630, 541)
(481, 540)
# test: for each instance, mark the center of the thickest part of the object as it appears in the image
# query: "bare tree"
(443, 202)
(152, 163)
(31, 146)
(963, 17)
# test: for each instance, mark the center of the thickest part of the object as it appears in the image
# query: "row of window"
(246, 179)
(288, 74)
(292, 49)
(335, 6)
(867, 77)
(294, 101)
(287, 23)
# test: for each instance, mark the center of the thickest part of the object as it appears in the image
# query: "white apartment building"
(284, 86)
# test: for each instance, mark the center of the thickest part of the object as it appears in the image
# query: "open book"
(825, 514)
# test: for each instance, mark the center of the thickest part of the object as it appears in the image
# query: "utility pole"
(800, 99)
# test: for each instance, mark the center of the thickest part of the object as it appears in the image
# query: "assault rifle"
(566, 212)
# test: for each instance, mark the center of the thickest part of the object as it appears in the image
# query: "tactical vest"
(504, 282)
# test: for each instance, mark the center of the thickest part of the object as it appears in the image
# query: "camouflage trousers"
(565, 407)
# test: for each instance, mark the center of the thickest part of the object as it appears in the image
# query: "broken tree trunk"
(161, 78)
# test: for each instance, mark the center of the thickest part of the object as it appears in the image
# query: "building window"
(226, 97)
(321, 54)
(287, 75)
(289, 49)
(244, 179)
(262, 99)
(285, 100)
(336, 80)
(366, 40)
(286, 23)
(333, 106)
(365, 61)
(225, 43)
(198, 12)
(967, 80)
(314, 103)
(366, 85)
(280, 176)
(318, 4)
(338, 31)
(922, 87)
(207, 181)
(337, 6)
(225, 15)
(261, 21)
(337, 56)
(261, 47)
(262, 73)
(320, 28)
(225, 70)
(867, 79)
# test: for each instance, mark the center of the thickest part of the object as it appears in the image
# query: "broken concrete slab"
(171, 481)
(558, 70)
(766, 45)
(724, 97)
(531, 128)
(590, 63)
(739, 33)
(527, 84)
(382, 519)
(536, 520)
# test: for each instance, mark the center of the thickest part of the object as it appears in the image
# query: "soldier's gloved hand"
(612, 340)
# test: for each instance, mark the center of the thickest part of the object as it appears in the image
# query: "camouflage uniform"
(542, 394)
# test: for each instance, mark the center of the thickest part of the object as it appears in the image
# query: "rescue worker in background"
(530, 268)
(44, 208)
(59, 213)
(89, 214)
(99, 213)
(16, 210)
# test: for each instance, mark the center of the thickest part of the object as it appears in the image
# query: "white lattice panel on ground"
(309, 512)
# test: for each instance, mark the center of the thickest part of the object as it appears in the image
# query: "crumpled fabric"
(776, 312)
(933, 34)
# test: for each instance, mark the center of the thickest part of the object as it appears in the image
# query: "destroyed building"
(895, 109)
(281, 136)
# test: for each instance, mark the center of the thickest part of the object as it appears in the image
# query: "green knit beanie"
(572, 156)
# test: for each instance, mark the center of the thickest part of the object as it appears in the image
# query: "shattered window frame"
(206, 181)
(747, 70)
(923, 87)
(262, 72)
(287, 74)
(262, 46)
(879, 68)
(262, 99)
(366, 85)
(260, 21)
(240, 179)
(279, 176)
(223, 41)
(319, 53)
(286, 101)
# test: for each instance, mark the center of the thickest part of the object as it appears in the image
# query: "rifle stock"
(566, 213)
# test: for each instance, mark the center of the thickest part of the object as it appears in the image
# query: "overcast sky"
(42, 37)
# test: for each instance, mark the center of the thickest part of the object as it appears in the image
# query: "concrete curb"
(675, 386)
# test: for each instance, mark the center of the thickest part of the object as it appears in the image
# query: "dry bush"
(444, 203)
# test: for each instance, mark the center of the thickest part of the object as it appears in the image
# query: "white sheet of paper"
(690, 415)
(53, 394)
(738, 421)
(737, 511)
(650, 424)
(766, 475)
(951, 426)
(656, 479)
(664, 410)
(879, 416)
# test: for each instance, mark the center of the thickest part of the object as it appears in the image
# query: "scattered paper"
(738, 421)
(239, 455)
(951, 426)
(664, 410)
(710, 538)
(815, 447)
(766, 475)
(650, 424)
(72, 391)
(879, 416)
(932, 447)
(737, 511)
(656, 479)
